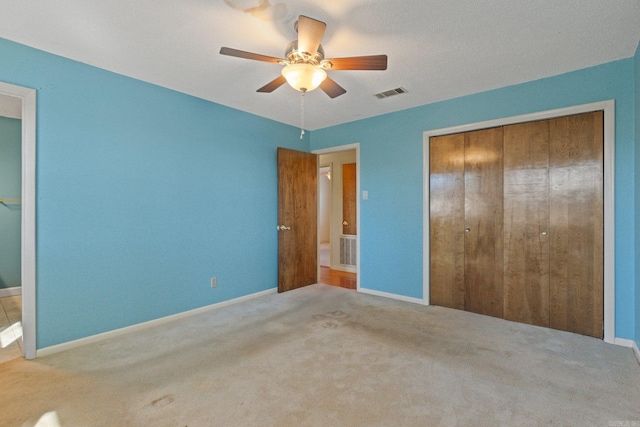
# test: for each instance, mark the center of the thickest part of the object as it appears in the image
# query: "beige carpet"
(326, 356)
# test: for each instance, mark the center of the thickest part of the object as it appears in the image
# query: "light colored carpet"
(326, 356)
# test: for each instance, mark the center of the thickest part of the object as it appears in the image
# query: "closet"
(516, 222)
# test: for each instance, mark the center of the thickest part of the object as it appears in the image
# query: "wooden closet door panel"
(446, 222)
(576, 217)
(483, 271)
(526, 223)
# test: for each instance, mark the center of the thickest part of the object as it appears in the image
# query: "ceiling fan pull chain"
(302, 114)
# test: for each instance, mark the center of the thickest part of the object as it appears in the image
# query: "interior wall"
(637, 179)
(10, 106)
(391, 171)
(143, 195)
(10, 212)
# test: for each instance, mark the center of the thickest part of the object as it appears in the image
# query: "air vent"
(392, 92)
(348, 250)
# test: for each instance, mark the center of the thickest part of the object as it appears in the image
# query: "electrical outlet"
(214, 282)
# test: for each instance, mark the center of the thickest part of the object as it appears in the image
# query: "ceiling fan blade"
(248, 55)
(310, 32)
(373, 62)
(273, 85)
(332, 88)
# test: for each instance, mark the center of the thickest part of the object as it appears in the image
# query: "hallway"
(331, 277)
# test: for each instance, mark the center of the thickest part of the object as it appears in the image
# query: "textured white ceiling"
(437, 49)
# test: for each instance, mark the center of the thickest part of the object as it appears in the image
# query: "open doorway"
(20, 102)
(338, 213)
(10, 219)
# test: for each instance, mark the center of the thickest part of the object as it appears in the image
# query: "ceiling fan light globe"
(304, 77)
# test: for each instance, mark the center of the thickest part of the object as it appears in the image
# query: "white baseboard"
(392, 296)
(10, 292)
(623, 342)
(630, 344)
(140, 326)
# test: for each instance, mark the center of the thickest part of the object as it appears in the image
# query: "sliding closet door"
(446, 226)
(483, 207)
(576, 233)
(526, 223)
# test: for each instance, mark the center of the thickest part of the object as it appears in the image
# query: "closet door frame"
(609, 202)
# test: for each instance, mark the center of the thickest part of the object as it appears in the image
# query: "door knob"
(466, 230)
(544, 233)
(283, 227)
(345, 223)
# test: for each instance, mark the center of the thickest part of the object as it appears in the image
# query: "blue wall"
(143, 194)
(10, 188)
(392, 172)
(637, 178)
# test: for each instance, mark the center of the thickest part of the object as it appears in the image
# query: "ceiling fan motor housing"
(294, 56)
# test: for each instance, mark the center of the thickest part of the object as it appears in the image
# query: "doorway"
(338, 216)
(27, 106)
(10, 203)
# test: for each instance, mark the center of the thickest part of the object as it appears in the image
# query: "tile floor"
(10, 328)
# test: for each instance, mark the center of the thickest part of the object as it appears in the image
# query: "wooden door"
(483, 198)
(446, 225)
(530, 199)
(297, 219)
(526, 223)
(349, 199)
(576, 234)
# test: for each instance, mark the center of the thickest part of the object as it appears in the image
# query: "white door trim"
(348, 147)
(609, 195)
(28, 231)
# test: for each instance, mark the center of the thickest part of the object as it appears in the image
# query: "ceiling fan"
(305, 66)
